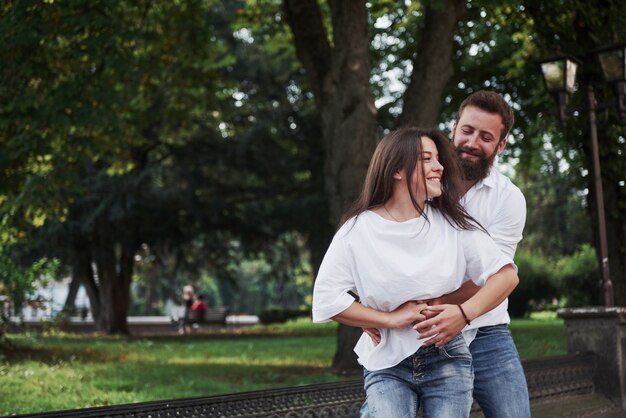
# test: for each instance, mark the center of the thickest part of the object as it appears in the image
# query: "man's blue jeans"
(499, 382)
(437, 379)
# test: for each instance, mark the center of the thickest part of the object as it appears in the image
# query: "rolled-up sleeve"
(483, 257)
(507, 224)
(334, 281)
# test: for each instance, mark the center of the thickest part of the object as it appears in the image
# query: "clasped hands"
(436, 323)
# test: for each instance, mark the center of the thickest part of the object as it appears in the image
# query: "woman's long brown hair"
(401, 149)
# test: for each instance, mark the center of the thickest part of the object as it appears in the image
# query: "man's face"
(477, 141)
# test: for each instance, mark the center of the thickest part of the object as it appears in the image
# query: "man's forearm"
(497, 288)
(462, 294)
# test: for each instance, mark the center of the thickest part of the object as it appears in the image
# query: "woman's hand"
(407, 314)
(445, 325)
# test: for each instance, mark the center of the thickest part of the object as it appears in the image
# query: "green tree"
(193, 114)
(557, 221)
(97, 94)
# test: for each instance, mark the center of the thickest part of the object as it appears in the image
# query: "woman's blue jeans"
(439, 380)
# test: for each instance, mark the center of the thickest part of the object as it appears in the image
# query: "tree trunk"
(113, 282)
(339, 78)
(345, 359)
(348, 113)
(83, 273)
(69, 306)
(432, 65)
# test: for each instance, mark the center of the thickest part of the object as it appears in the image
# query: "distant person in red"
(198, 309)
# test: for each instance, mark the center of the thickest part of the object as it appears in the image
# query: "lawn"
(52, 372)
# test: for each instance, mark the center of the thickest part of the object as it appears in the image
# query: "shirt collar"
(489, 181)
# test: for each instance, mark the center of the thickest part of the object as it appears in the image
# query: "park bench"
(137, 325)
(215, 316)
(212, 317)
(560, 386)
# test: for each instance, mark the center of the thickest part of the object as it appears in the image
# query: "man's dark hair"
(491, 102)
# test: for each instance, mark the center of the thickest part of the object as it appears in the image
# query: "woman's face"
(428, 164)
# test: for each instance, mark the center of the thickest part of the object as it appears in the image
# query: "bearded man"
(483, 123)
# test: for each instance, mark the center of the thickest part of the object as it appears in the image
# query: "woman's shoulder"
(358, 221)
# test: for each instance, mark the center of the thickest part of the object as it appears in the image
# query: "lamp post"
(559, 74)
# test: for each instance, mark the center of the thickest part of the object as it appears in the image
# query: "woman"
(407, 239)
(188, 299)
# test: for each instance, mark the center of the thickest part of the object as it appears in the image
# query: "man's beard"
(475, 170)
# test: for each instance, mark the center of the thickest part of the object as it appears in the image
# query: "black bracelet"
(467, 321)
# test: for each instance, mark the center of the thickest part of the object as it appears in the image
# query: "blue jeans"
(437, 379)
(499, 382)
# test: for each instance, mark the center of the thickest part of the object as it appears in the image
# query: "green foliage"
(160, 113)
(571, 280)
(278, 276)
(557, 221)
(97, 91)
(19, 281)
(580, 277)
(537, 283)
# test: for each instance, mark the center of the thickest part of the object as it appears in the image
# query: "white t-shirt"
(500, 207)
(388, 263)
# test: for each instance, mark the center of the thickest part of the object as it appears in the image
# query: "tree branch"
(432, 65)
(312, 47)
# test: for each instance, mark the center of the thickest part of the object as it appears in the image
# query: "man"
(479, 132)
(482, 125)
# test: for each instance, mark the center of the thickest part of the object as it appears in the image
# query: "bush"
(281, 315)
(579, 277)
(537, 283)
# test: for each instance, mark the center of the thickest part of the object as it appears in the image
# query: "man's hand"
(430, 313)
(462, 294)
(444, 323)
(374, 334)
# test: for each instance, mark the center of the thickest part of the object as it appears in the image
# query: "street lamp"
(559, 74)
(613, 62)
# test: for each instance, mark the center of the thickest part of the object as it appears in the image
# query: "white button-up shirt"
(500, 207)
(388, 263)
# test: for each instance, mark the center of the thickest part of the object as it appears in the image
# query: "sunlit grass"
(540, 336)
(68, 371)
(60, 371)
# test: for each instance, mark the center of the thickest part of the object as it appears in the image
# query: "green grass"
(542, 335)
(52, 372)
